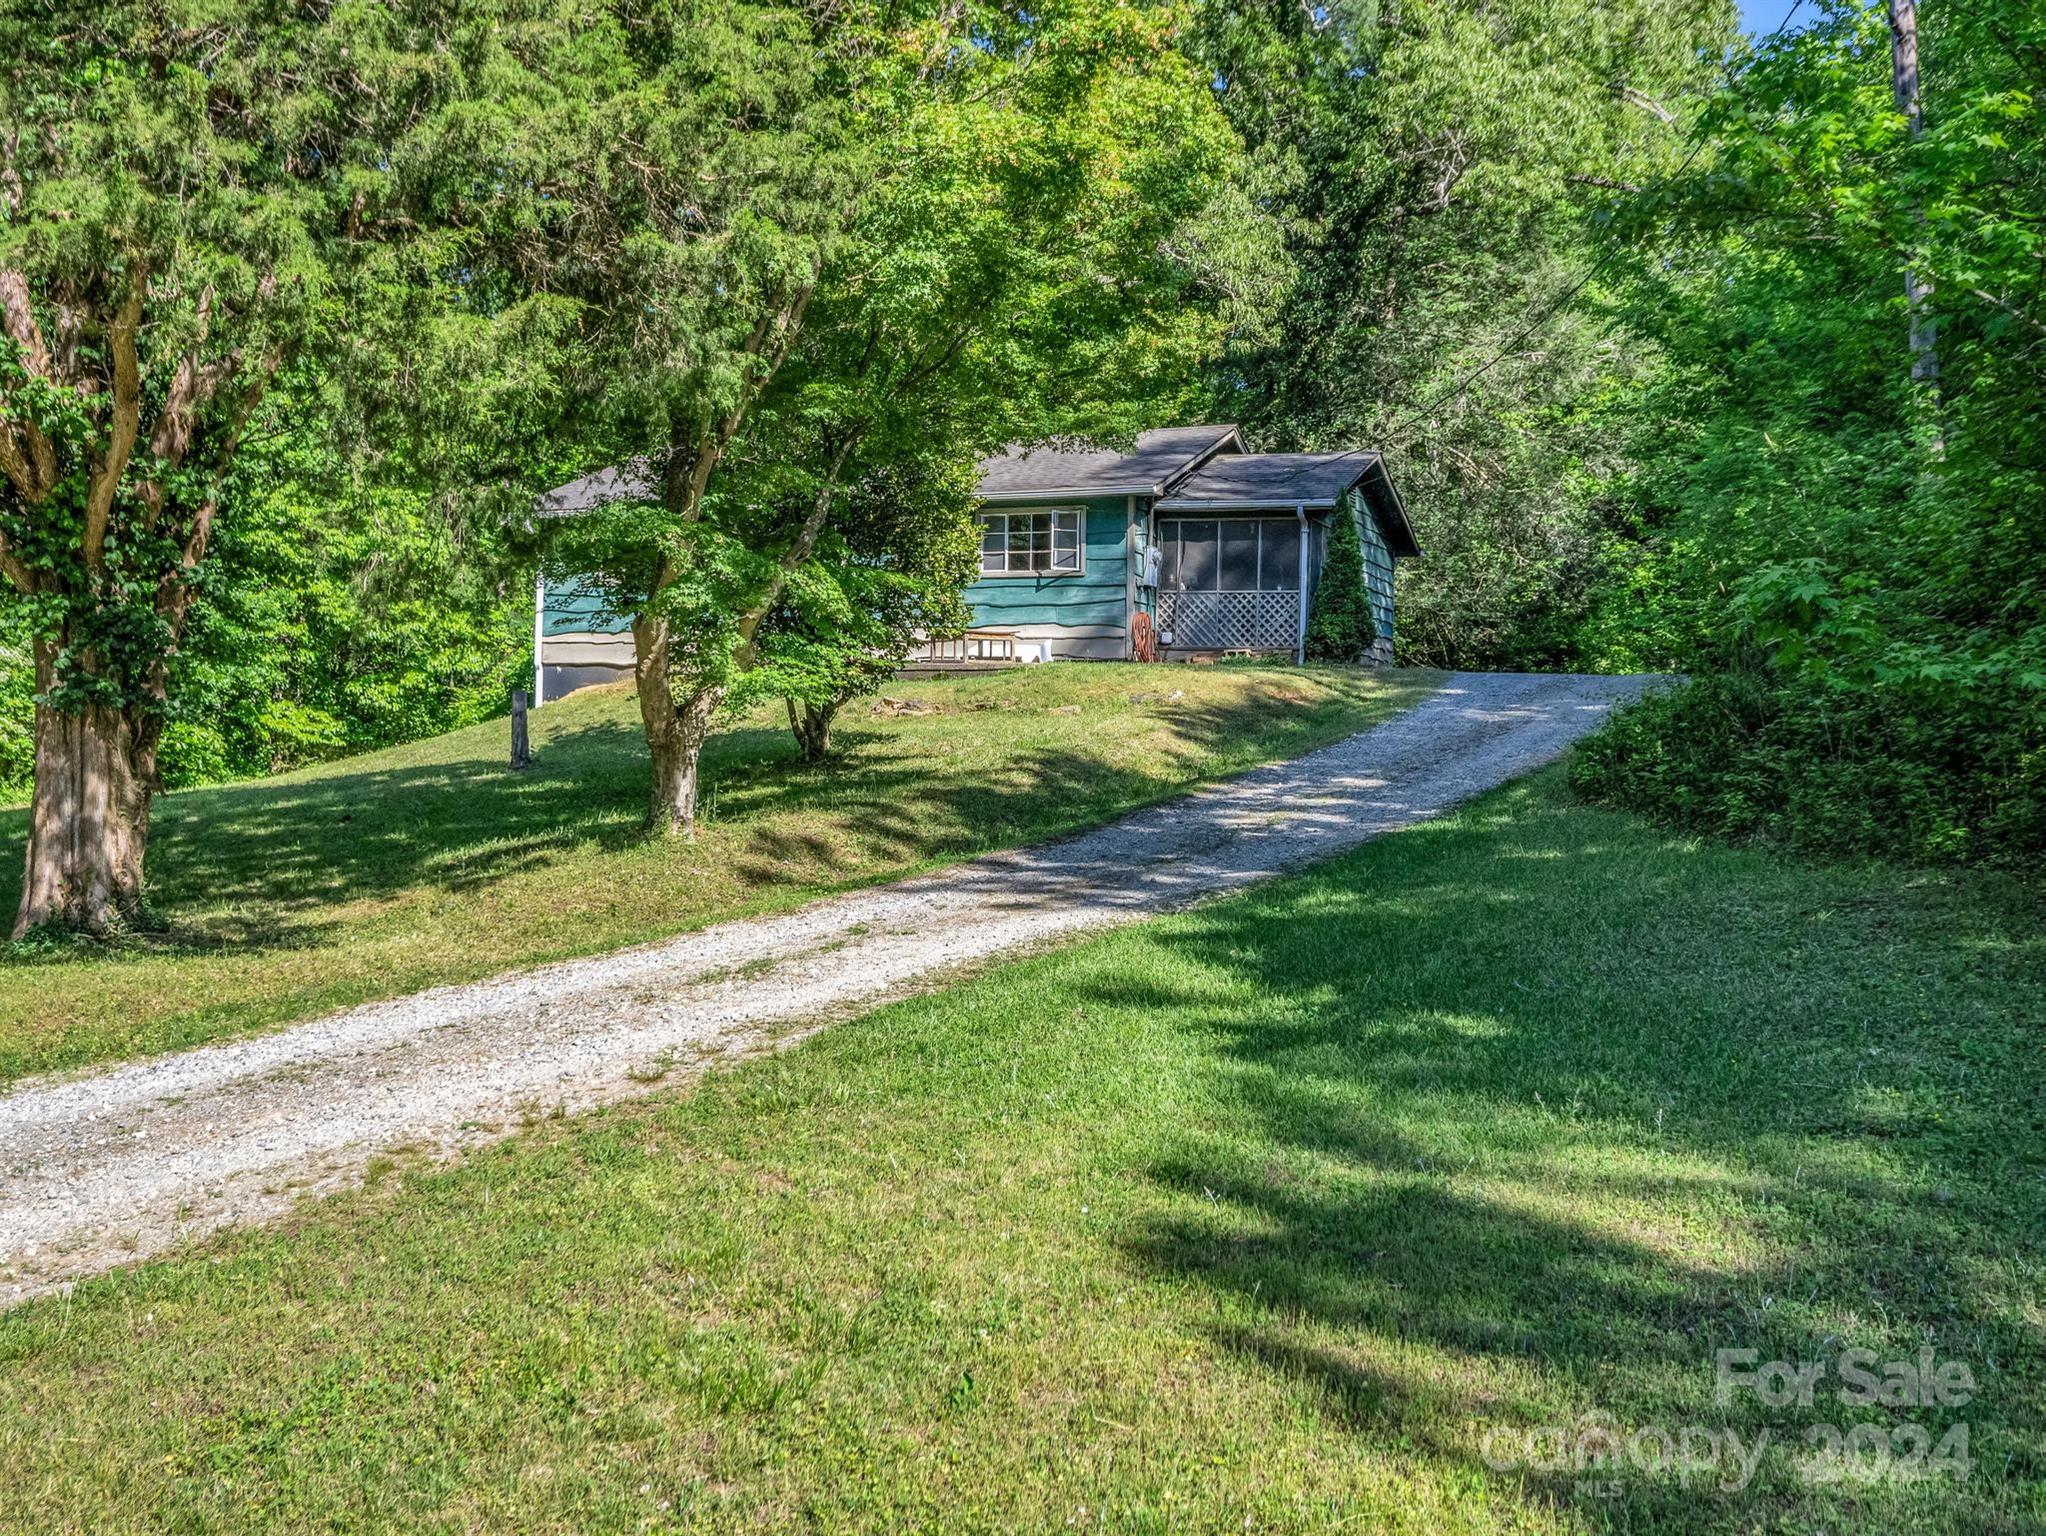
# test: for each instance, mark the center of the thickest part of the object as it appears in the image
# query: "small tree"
(894, 572)
(1339, 624)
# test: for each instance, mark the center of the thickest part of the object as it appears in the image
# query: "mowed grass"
(1273, 1216)
(433, 863)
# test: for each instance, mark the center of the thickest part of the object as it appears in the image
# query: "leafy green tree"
(1847, 560)
(1339, 623)
(1443, 172)
(959, 228)
(687, 263)
(191, 195)
(890, 572)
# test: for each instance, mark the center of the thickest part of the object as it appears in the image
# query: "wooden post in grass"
(522, 751)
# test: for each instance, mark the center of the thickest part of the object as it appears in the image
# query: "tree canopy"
(978, 230)
(1687, 352)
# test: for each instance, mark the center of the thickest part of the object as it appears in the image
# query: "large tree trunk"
(811, 724)
(95, 771)
(675, 731)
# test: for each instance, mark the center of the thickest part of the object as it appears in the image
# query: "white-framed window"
(1048, 542)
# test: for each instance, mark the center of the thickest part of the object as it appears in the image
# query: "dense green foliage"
(1441, 171)
(1857, 562)
(337, 611)
(1625, 305)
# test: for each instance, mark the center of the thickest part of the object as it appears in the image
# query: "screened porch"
(1231, 583)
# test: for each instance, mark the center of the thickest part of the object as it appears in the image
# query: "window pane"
(1197, 556)
(1065, 541)
(1281, 571)
(1168, 555)
(1239, 557)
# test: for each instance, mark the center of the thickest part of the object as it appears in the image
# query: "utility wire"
(1550, 310)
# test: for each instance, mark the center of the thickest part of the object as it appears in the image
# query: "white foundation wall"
(572, 661)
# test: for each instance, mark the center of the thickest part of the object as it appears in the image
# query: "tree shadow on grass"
(1524, 1139)
(263, 860)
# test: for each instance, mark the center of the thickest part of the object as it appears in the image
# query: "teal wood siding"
(576, 607)
(1094, 597)
(1379, 568)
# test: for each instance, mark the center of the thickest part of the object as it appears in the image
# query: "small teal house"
(1190, 537)
(1189, 546)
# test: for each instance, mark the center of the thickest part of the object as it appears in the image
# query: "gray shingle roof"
(1161, 457)
(631, 481)
(1271, 479)
(1167, 459)
(1279, 480)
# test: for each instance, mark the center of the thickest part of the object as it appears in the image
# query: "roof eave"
(1068, 491)
(1413, 549)
(1238, 504)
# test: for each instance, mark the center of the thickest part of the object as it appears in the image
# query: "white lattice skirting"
(1229, 621)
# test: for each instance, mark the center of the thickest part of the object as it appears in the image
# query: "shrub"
(1954, 776)
(1339, 624)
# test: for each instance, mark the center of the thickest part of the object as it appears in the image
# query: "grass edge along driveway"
(1264, 1216)
(379, 875)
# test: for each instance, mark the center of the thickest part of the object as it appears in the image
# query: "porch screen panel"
(1197, 556)
(1237, 547)
(1168, 554)
(1279, 557)
(1231, 583)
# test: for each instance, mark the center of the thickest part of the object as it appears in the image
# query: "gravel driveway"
(107, 1168)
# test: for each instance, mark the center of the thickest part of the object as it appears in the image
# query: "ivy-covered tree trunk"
(95, 773)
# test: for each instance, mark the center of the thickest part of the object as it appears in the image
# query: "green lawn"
(431, 863)
(1266, 1217)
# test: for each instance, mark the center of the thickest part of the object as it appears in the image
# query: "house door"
(1229, 584)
